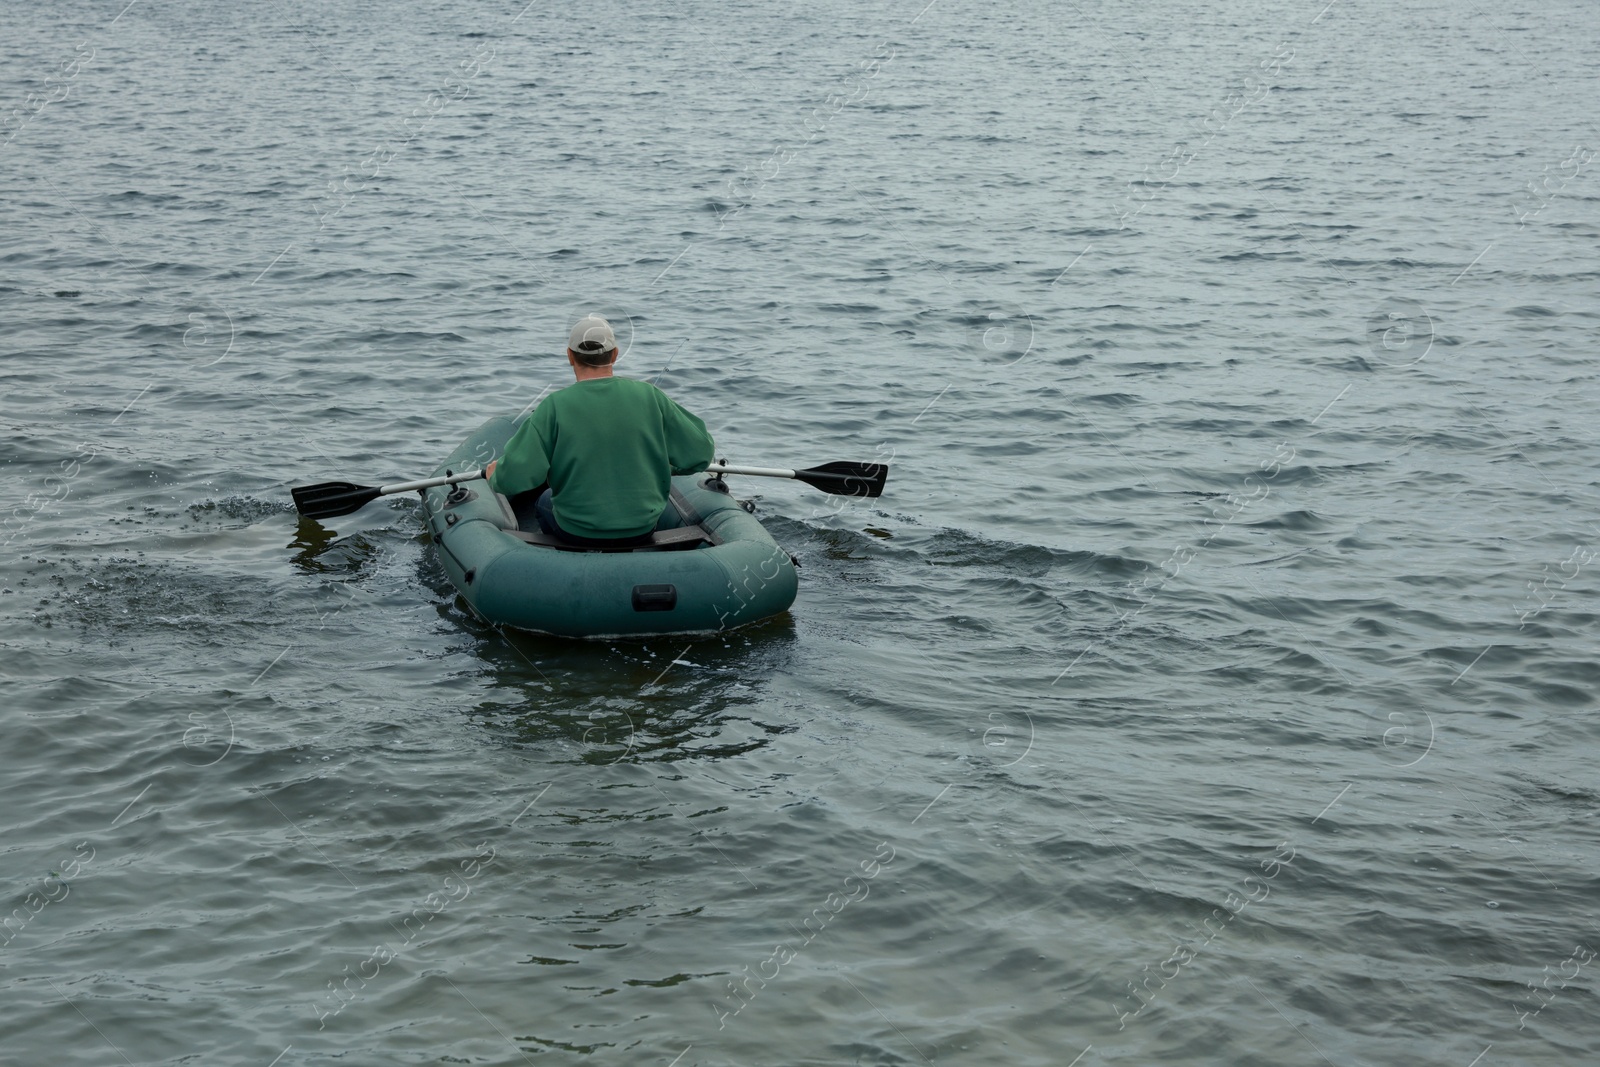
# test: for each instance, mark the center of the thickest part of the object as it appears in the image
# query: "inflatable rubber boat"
(709, 566)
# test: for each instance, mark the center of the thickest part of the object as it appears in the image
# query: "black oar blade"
(847, 479)
(325, 500)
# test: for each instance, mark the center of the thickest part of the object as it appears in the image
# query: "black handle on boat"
(328, 499)
(841, 479)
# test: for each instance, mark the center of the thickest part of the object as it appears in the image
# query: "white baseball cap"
(592, 336)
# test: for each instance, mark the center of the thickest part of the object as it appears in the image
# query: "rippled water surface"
(1214, 684)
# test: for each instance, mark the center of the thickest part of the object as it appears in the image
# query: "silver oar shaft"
(428, 483)
(759, 472)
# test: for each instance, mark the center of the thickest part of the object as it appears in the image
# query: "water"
(1214, 684)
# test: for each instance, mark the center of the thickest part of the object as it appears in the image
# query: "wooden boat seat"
(517, 519)
(680, 538)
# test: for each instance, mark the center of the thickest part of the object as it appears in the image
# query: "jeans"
(544, 509)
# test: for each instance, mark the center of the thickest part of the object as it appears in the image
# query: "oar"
(840, 479)
(328, 499)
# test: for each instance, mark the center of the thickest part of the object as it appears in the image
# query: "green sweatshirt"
(608, 447)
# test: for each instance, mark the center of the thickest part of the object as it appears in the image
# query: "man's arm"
(526, 462)
(689, 446)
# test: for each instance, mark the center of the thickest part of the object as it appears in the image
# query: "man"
(601, 452)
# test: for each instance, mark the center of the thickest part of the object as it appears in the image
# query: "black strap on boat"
(691, 517)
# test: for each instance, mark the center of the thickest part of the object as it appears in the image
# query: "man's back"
(608, 448)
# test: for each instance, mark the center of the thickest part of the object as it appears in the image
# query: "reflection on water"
(655, 700)
(311, 539)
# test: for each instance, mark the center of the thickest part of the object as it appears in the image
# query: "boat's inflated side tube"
(742, 577)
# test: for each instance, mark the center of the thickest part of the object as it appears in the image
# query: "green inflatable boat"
(709, 566)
